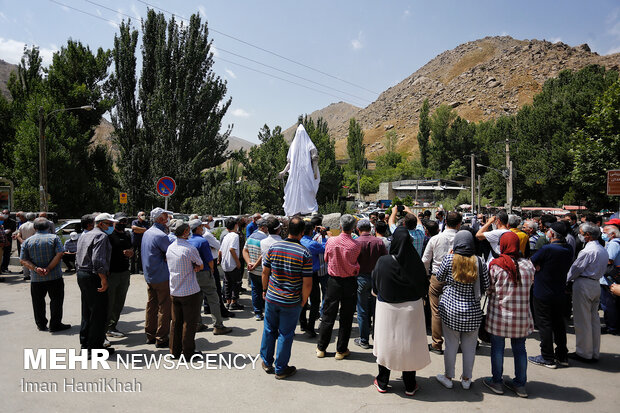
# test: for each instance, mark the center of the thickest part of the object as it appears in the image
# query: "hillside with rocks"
(5, 71)
(481, 79)
(334, 114)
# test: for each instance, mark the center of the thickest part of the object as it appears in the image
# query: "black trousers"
(341, 292)
(383, 378)
(6, 257)
(315, 303)
(69, 261)
(94, 311)
(56, 291)
(551, 328)
(185, 316)
(231, 283)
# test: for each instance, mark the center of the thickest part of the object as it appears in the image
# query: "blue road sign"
(166, 186)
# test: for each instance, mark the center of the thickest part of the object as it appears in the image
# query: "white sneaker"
(466, 383)
(106, 343)
(446, 382)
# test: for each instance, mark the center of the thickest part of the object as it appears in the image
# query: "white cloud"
(407, 13)
(98, 12)
(3, 16)
(202, 11)
(231, 73)
(13, 50)
(555, 39)
(240, 113)
(357, 42)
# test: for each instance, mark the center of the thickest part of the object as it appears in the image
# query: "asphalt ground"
(319, 385)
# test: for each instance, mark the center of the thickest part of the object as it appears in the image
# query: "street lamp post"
(507, 174)
(43, 152)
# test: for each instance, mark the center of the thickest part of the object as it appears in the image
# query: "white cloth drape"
(301, 187)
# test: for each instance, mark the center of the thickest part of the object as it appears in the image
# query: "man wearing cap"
(552, 263)
(70, 250)
(93, 265)
(586, 271)
(184, 262)
(253, 257)
(138, 228)
(155, 243)
(118, 281)
(609, 302)
(205, 278)
(372, 248)
(41, 254)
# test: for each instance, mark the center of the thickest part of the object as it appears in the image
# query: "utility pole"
(473, 181)
(508, 178)
(42, 162)
(479, 209)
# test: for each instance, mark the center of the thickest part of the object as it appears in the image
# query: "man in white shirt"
(229, 258)
(183, 260)
(214, 244)
(500, 221)
(274, 227)
(437, 248)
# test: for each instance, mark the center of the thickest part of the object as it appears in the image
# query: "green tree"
(331, 172)
(368, 185)
(181, 103)
(261, 168)
(80, 174)
(133, 151)
(596, 149)
(440, 122)
(424, 133)
(355, 147)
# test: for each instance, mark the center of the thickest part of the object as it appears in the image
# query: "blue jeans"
(258, 303)
(280, 323)
(519, 355)
(364, 305)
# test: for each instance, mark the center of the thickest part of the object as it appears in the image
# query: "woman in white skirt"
(399, 282)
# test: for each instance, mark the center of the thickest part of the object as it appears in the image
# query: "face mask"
(605, 237)
(582, 238)
(109, 230)
(121, 227)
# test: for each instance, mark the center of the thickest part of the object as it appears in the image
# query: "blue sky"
(371, 44)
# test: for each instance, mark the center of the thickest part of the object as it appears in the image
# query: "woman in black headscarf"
(399, 282)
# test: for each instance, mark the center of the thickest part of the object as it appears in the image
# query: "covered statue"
(304, 178)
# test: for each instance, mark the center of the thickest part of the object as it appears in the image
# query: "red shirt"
(372, 248)
(341, 255)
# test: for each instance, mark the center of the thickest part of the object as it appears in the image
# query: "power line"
(248, 59)
(267, 51)
(84, 12)
(362, 101)
(291, 74)
(277, 77)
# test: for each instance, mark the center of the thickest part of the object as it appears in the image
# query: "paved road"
(320, 384)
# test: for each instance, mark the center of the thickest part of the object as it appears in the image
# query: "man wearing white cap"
(155, 243)
(93, 264)
(70, 250)
(205, 278)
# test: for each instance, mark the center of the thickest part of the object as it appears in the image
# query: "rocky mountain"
(334, 114)
(481, 79)
(5, 71)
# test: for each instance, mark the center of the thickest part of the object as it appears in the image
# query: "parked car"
(67, 228)
(467, 217)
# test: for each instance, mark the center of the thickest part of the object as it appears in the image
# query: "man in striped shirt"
(252, 255)
(184, 262)
(287, 282)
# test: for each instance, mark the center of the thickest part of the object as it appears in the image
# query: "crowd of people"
(399, 273)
